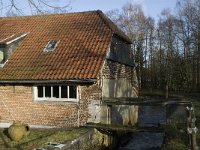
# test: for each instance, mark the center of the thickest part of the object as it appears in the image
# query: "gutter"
(83, 81)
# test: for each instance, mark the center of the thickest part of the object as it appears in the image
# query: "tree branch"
(36, 6)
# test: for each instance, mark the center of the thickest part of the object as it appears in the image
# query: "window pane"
(1, 56)
(63, 91)
(40, 91)
(72, 91)
(56, 91)
(47, 91)
(51, 45)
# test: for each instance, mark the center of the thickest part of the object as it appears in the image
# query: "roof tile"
(84, 40)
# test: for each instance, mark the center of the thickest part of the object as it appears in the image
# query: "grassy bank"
(39, 138)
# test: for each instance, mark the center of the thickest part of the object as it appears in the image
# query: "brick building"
(55, 70)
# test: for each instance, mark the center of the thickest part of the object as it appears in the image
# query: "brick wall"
(16, 103)
(119, 80)
(116, 74)
(114, 70)
(88, 94)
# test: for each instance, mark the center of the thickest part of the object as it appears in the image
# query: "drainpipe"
(108, 114)
(78, 109)
(78, 119)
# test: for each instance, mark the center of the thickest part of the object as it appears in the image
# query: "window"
(2, 55)
(51, 46)
(8, 46)
(56, 93)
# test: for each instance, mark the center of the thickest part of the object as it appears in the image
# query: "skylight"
(51, 45)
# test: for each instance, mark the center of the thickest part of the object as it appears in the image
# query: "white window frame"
(46, 49)
(3, 62)
(36, 98)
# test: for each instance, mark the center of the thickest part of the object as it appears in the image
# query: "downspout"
(78, 119)
(108, 114)
(78, 110)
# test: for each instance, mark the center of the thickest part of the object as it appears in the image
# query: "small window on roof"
(8, 46)
(2, 55)
(51, 45)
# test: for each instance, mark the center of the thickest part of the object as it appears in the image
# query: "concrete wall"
(119, 80)
(116, 88)
(124, 115)
(119, 115)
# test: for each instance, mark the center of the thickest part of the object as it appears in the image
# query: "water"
(149, 116)
(144, 141)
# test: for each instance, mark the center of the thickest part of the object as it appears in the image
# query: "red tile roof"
(84, 39)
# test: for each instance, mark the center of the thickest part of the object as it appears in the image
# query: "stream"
(149, 116)
(153, 116)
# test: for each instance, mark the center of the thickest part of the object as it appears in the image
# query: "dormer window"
(8, 45)
(51, 46)
(1, 55)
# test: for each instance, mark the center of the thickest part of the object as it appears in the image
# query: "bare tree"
(168, 53)
(132, 20)
(16, 7)
(188, 30)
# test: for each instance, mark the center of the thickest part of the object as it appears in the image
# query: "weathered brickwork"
(120, 81)
(115, 70)
(17, 102)
(88, 94)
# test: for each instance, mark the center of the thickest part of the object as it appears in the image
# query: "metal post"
(191, 128)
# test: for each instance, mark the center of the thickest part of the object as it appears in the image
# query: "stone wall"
(91, 140)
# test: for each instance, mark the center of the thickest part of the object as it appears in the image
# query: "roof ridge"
(59, 14)
(113, 27)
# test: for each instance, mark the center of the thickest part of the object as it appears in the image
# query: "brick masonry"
(114, 70)
(17, 103)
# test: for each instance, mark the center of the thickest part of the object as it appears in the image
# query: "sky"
(151, 7)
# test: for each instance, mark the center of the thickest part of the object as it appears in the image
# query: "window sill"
(57, 100)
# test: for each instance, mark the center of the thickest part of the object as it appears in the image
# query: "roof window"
(51, 45)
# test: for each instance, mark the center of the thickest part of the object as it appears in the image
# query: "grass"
(39, 138)
(176, 137)
(195, 99)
